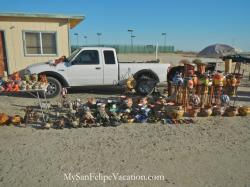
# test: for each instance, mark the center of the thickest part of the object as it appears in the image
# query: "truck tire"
(54, 88)
(145, 86)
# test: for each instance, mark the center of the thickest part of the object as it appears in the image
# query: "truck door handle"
(97, 68)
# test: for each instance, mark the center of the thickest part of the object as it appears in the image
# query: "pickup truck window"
(87, 57)
(109, 57)
(73, 54)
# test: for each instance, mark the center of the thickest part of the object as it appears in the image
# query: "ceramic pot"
(193, 112)
(231, 111)
(16, 120)
(205, 112)
(217, 111)
(4, 119)
(244, 111)
(175, 112)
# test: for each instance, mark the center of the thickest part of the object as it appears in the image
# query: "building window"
(40, 43)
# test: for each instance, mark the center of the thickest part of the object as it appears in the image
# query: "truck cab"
(97, 66)
(93, 66)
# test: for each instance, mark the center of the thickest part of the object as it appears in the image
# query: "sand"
(213, 151)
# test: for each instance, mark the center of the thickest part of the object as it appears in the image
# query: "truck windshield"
(73, 54)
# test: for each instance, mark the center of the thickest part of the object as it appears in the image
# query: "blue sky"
(189, 24)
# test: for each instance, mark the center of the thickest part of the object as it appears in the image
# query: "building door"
(3, 59)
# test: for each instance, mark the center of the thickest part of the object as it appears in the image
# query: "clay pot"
(16, 120)
(4, 119)
(217, 111)
(205, 112)
(231, 111)
(175, 112)
(192, 112)
(244, 111)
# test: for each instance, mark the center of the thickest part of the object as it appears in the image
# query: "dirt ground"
(213, 151)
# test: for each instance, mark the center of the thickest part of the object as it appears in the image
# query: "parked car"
(237, 58)
(97, 66)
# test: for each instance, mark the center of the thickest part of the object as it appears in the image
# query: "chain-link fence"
(134, 48)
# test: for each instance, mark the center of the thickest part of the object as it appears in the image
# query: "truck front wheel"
(145, 86)
(54, 87)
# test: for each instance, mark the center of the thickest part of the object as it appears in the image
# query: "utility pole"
(164, 35)
(99, 37)
(131, 36)
(86, 41)
(77, 39)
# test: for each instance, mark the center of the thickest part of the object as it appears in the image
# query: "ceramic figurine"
(225, 100)
(30, 115)
(102, 117)
(75, 122)
(143, 111)
(177, 79)
(60, 123)
(27, 77)
(34, 77)
(88, 119)
(43, 78)
(23, 85)
(91, 103)
(115, 117)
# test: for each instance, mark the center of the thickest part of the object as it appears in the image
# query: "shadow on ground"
(102, 90)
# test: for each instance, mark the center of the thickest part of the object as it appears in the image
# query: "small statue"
(102, 116)
(88, 119)
(115, 117)
(60, 123)
(177, 79)
(143, 111)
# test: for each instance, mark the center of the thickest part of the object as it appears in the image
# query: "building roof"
(73, 19)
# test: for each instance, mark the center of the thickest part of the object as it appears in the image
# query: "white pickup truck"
(97, 66)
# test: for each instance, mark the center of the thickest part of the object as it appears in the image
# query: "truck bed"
(128, 69)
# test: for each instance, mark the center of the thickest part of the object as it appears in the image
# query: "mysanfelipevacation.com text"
(77, 177)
